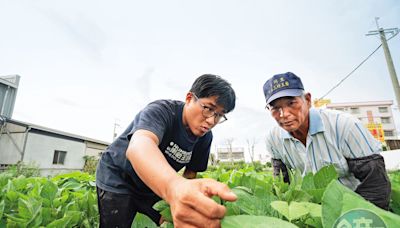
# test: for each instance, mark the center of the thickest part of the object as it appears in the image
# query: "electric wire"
(358, 66)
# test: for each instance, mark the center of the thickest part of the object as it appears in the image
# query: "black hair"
(208, 85)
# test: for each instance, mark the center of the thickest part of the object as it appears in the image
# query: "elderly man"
(308, 139)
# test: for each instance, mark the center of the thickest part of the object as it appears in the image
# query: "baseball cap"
(282, 85)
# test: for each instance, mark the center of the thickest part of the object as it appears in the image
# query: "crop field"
(318, 200)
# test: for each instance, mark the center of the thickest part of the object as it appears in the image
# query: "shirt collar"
(316, 124)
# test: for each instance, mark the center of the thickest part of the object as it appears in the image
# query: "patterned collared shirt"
(333, 136)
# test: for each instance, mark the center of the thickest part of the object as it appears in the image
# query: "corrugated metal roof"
(54, 131)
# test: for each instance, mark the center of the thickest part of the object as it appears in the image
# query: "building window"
(354, 110)
(383, 109)
(223, 155)
(385, 120)
(388, 133)
(4, 166)
(59, 157)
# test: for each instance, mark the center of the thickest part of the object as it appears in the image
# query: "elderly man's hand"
(191, 203)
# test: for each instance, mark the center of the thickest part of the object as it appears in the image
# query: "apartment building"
(377, 116)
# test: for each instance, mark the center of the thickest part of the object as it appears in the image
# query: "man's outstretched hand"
(191, 203)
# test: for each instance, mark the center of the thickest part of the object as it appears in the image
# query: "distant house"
(228, 154)
(377, 116)
(52, 150)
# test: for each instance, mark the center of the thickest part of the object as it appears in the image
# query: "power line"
(341, 81)
(358, 66)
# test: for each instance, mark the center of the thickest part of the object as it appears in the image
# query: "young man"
(139, 167)
(308, 139)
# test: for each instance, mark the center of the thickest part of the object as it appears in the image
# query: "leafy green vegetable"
(324, 176)
(254, 222)
(142, 220)
(338, 200)
(69, 200)
(164, 209)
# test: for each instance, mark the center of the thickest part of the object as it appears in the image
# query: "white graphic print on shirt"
(176, 153)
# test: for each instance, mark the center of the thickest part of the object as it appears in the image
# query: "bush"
(21, 169)
(90, 164)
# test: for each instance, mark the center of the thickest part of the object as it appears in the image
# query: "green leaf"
(16, 219)
(60, 200)
(245, 203)
(332, 203)
(316, 194)
(12, 196)
(395, 197)
(142, 220)
(83, 202)
(216, 199)
(163, 207)
(282, 207)
(47, 215)
(3, 223)
(315, 210)
(314, 222)
(86, 223)
(36, 221)
(29, 209)
(293, 211)
(263, 183)
(308, 182)
(2, 204)
(75, 217)
(49, 191)
(35, 191)
(60, 223)
(324, 176)
(160, 205)
(297, 195)
(338, 200)
(166, 214)
(71, 206)
(248, 181)
(72, 184)
(92, 203)
(224, 177)
(167, 225)
(295, 179)
(21, 182)
(254, 222)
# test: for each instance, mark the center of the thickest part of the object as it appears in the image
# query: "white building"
(51, 150)
(377, 115)
(230, 154)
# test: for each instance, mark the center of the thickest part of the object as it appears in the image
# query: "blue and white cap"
(282, 85)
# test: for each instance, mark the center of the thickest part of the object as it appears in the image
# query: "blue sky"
(86, 64)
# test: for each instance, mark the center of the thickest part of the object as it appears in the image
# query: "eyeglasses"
(210, 112)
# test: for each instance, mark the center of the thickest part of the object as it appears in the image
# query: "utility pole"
(389, 61)
(115, 128)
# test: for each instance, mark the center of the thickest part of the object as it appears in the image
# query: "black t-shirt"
(180, 148)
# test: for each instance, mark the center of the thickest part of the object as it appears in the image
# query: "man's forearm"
(280, 167)
(150, 165)
(375, 185)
